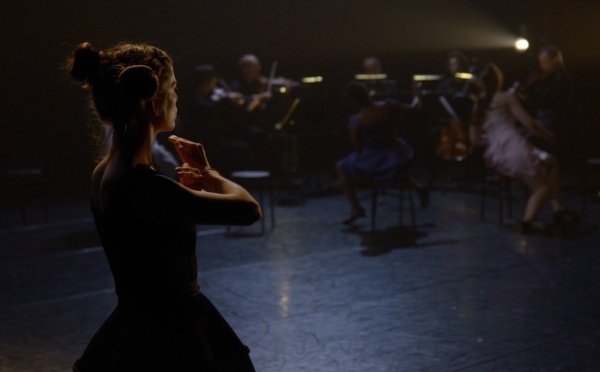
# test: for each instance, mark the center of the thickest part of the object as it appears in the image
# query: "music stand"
(289, 153)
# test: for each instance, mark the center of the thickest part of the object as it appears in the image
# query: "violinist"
(262, 107)
(376, 80)
(209, 92)
(548, 96)
(214, 110)
(255, 87)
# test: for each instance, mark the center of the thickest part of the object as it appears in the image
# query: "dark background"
(45, 117)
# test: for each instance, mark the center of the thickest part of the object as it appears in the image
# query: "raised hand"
(190, 177)
(190, 152)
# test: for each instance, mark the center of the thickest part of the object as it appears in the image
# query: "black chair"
(590, 172)
(401, 185)
(28, 185)
(259, 180)
(502, 185)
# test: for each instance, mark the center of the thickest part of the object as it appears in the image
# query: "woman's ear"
(155, 108)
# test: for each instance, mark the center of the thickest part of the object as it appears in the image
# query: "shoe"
(354, 216)
(596, 198)
(566, 217)
(424, 197)
(529, 228)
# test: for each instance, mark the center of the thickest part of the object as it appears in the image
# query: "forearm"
(540, 130)
(218, 184)
(414, 105)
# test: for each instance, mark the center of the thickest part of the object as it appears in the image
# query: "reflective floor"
(456, 294)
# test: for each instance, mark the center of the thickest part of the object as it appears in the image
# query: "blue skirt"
(378, 164)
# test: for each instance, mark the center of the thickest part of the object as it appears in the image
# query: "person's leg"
(549, 190)
(553, 178)
(562, 215)
(421, 190)
(356, 210)
(538, 197)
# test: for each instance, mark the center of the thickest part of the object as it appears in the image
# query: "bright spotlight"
(521, 44)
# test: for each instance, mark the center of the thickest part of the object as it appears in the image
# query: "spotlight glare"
(521, 44)
(312, 79)
(427, 77)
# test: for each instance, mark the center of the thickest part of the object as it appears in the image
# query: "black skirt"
(150, 335)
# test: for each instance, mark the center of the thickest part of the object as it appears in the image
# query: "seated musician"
(213, 114)
(376, 80)
(457, 93)
(262, 107)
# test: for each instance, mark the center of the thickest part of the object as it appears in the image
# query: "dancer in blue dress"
(379, 153)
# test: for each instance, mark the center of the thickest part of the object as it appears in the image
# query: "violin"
(258, 100)
(220, 93)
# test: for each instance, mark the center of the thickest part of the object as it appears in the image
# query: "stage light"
(427, 77)
(312, 79)
(370, 76)
(464, 75)
(521, 44)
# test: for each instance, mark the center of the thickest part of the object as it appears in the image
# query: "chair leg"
(374, 197)
(501, 201)
(509, 197)
(412, 209)
(504, 197)
(404, 186)
(401, 204)
(482, 196)
(271, 201)
(261, 201)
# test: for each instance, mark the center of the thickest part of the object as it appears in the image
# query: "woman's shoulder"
(110, 181)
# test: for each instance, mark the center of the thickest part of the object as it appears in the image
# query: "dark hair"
(489, 80)
(463, 61)
(205, 73)
(122, 79)
(553, 51)
(358, 93)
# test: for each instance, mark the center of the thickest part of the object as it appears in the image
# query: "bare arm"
(208, 184)
(415, 104)
(476, 137)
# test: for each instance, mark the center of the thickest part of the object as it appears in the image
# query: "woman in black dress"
(146, 222)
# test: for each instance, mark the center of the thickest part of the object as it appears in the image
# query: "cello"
(453, 143)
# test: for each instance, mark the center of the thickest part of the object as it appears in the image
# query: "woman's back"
(375, 124)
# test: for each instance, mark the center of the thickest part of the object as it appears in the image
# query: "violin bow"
(272, 76)
(448, 107)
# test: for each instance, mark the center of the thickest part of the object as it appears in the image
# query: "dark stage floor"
(457, 294)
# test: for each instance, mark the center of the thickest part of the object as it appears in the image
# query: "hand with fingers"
(192, 153)
(190, 176)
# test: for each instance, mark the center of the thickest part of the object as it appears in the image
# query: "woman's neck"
(143, 155)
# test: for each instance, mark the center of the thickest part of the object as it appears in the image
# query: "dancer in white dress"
(495, 124)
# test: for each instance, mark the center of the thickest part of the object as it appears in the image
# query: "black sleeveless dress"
(161, 322)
